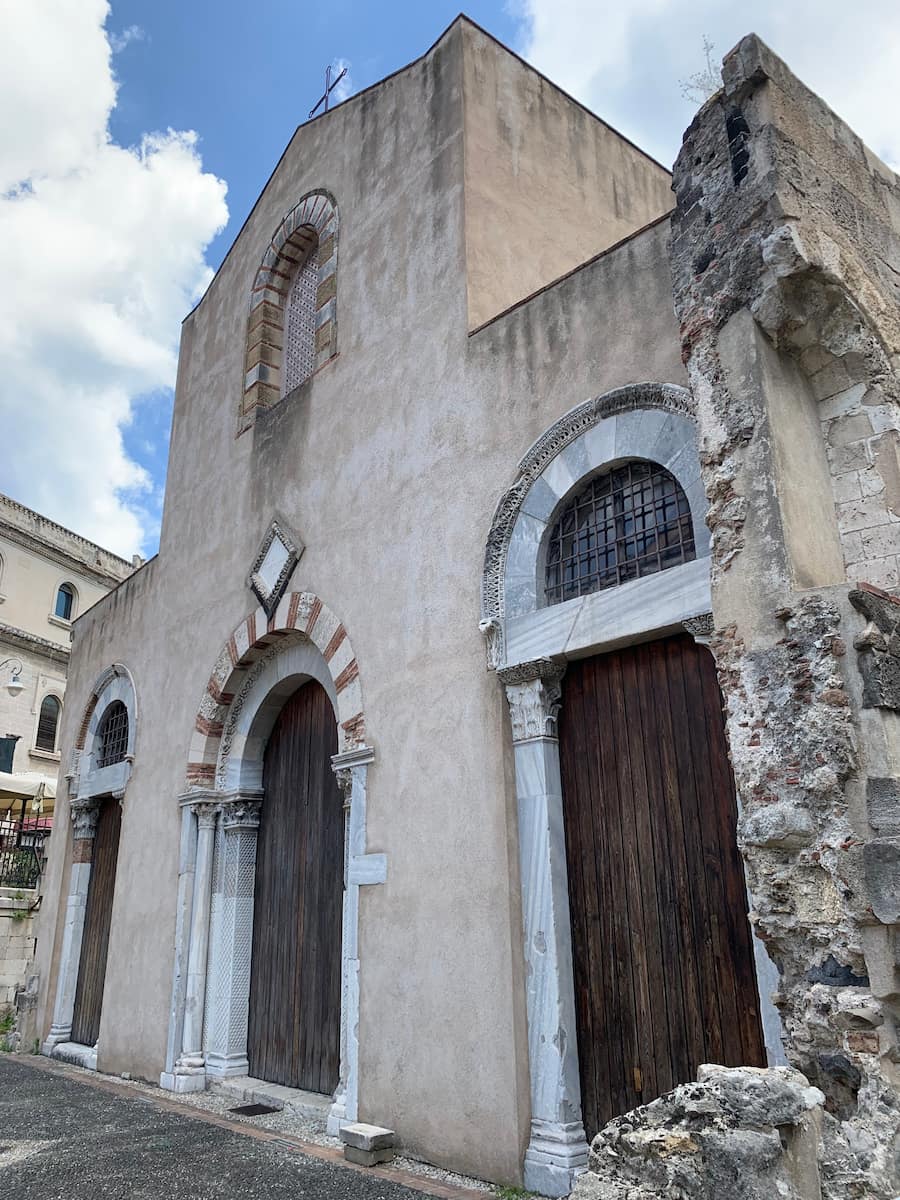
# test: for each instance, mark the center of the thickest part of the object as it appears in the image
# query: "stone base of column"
(75, 1053)
(57, 1035)
(337, 1114)
(189, 1075)
(557, 1154)
(224, 1066)
(178, 1081)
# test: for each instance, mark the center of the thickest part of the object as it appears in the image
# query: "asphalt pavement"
(63, 1139)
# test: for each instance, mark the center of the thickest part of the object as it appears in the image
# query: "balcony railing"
(20, 867)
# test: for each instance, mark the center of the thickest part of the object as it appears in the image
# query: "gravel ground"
(300, 1127)
(61, 1139)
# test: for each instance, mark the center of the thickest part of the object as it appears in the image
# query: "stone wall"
(786, 272)
(17, 943)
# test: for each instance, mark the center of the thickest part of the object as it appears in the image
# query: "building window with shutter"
(48, 724)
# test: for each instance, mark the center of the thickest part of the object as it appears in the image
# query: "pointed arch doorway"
(294, 1021)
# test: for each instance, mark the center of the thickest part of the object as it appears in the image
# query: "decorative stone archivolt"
(311, 226)
(645, 420)
(253, 645)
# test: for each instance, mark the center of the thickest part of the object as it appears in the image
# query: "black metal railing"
(20, 867)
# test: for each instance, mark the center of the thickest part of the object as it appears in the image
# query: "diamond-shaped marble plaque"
(272, 568)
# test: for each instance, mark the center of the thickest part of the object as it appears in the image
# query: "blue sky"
(244, 76)
(145, 130)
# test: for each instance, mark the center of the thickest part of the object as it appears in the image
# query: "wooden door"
(295, 989)
(97, 918)
(664, 972)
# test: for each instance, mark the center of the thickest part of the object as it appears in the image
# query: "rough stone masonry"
(785, 257)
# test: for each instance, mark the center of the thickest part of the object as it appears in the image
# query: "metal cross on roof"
(330, 85)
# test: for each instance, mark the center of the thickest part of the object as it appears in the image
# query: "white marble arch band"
(643, 420)
(85, 778)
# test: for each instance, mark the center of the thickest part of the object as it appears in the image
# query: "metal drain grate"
(254, 1110)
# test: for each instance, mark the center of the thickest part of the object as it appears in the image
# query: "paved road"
(61, 1139)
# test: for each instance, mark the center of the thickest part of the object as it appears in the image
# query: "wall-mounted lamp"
(14, 684)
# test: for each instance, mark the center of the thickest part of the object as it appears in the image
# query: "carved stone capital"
(533, 691)
(85, 814)
(241, 813)
(206, 814)
(701, 628)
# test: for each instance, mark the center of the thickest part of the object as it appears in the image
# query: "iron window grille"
(65, 599)
(48, 721)
(299, 358)
(113, 735)
(626, 523)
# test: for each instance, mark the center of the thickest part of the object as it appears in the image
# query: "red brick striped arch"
(312, 223)
(298, 613)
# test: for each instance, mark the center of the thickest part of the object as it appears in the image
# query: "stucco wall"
(388, 464)
(548, 184)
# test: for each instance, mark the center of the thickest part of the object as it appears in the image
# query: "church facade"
(508, 723)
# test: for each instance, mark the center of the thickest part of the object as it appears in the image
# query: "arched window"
(624, 524)
(292, 323)
(65, 602)
(299, 356)
(48, 724)
(112, 735)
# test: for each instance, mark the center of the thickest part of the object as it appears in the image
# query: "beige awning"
(25, 784)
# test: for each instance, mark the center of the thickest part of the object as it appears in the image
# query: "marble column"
(228, 993)
(557, 1149)
(190, 1073)
(84, 813)
(360, 868)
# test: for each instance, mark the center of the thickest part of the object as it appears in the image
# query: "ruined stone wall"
(786, 271)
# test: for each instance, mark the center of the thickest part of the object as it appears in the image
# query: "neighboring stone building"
(439, 385)
(49, 576)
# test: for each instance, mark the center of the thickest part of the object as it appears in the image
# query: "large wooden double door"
(97, 920)
(663, 958)
(295, 981)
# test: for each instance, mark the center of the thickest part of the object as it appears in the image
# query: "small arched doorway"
(97, 922)
(104, 755)
(294, 1020)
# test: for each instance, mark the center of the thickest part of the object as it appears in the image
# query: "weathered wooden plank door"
(97, 919)
(664, 972)
(295, 980)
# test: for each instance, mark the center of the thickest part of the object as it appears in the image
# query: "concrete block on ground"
(368, 1158)
(360, 1136)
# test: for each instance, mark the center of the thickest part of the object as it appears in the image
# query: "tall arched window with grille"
(625, 523)
(48, 724)
(292, 325)
(299, 356)
(112, 735)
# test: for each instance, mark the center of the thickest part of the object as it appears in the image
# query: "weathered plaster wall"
(785, 259)
(548, 184)
(387, 464)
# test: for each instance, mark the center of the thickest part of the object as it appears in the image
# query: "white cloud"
(344, 88)
(102, 253)
(625, 61)
(118, 41)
